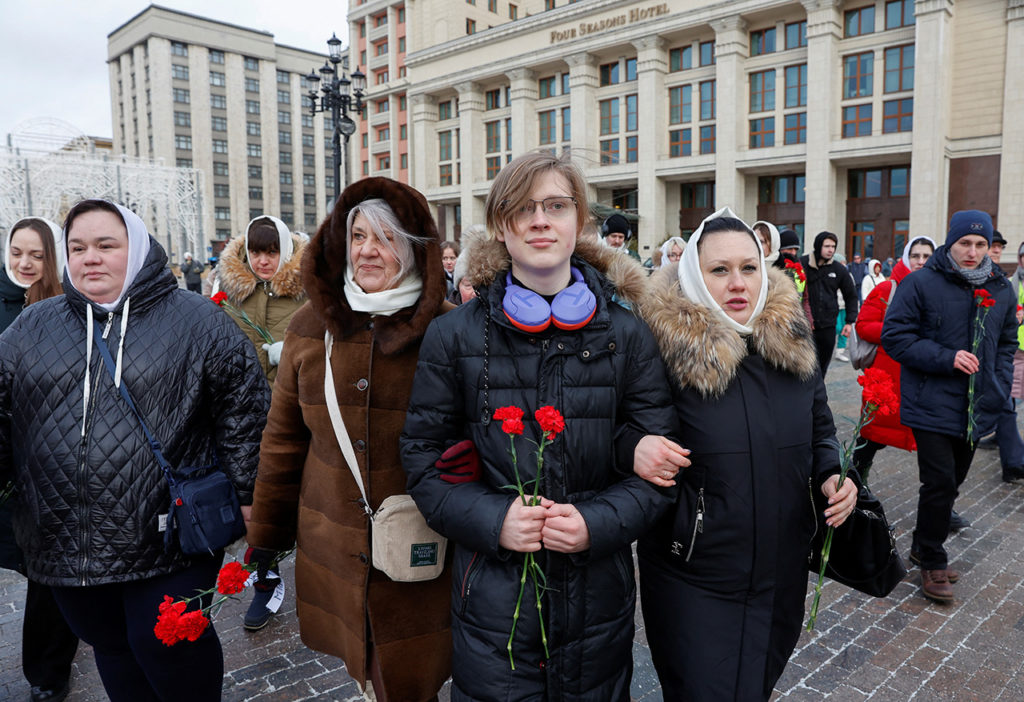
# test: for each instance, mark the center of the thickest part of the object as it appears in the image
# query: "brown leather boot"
(951, 574)
(936, 586)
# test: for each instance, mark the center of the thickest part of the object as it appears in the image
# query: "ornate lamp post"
(338, 101)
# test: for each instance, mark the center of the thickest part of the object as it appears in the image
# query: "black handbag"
(204, 514)
(864, 554)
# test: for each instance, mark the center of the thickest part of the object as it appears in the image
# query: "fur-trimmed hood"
(488, 258)
(239, 282)
(701, 352)
(326, 259)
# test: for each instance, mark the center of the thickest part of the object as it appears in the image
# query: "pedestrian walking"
(768, 237)
(723, 576)
(93, 501)
(192, 271)
(374, 282)
(873, 279)
(616, 233)
(953, 319)
(449, 255)
(826, 280)
(859, 270)
(594, 362)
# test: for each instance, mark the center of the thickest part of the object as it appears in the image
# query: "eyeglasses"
(674, 256)
(553, 208)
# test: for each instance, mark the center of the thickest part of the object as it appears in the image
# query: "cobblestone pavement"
(893, 649)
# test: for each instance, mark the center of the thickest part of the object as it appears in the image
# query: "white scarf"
(773, 237)
(284, 240)
(138, 249)
(906, 249)
(691, 278)
(385, 302)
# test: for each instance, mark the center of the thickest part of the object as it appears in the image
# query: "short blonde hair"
(511, 188)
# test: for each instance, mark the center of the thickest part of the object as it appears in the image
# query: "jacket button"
(611, 346)
(561, 346)
(362, 384)
(586, 354)
(363, 558)
(369, 325)
(360, 445)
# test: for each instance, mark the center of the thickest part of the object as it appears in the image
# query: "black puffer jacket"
(12, 300)
(824, 283)
(89, 506)
(603, 378)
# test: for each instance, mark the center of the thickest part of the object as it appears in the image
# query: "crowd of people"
(376, 360)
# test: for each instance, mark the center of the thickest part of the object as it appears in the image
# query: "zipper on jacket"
(698, 526)
(467, 581)
(83, 508)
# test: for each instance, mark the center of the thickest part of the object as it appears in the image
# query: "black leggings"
(824, 344)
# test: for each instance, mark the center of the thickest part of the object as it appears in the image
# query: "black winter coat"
(89, 506)
(602, 378)
(12, 300)
(932, 316)
(726, 571)
(824, 283)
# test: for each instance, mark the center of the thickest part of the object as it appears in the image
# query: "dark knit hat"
(997, 238)
(616, 223)
(968, 222)
(819, 240)
(788, 239)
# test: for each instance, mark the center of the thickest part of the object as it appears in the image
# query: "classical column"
(822, 205)
(651, 66)
(423, 159)
(583, 81)
(730, 110)
(523, 90)
(929, 167)
(1011, 162)
(471, 149)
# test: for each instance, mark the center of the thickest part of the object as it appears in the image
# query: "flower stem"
(515, 615)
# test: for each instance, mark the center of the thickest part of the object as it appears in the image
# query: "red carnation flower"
(550, 420)
(982, 294)
(511, 419)
(232, 578)
(879, 391)
(167, 627)
(191, 625)
(986, 302)
(220, 298)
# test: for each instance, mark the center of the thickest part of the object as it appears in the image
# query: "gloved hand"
(460, 463)
(263, 559)
(274, 352)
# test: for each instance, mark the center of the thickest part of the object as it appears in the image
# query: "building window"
(859, 21)
(183, 142)
(609, 152)
(255, 192)
(707, 139)
(492, 99)
(250, 63)
(216, 56)
(284, 158)
(609, 110)
(680, 104)
(513, 12)
(284, 117)
(858, 74)
(179, 49)
(383, 133)
(546, 87)
(566, 123)
(899, 68)
(218, 102)
(680, 59)
(630, 69)
(631, 113)
(403, 132)
(381, 48)
(179, 72)
(631, 149)
(217, 78)
(707, 100)
(899, 182)
(308, 180)
(255, 172)
(403, 161)
(282, 77)
(796, 128)
(306, 121)
(182, 119)
(470, 26)
(493, 137)
(284, 97)
(762, 91)
(252, 107)
(493, 167)
(549, 4)
(898, 115)
(183, 162)
(307, 141)
(252, 85)
(762, 42)
(252, 128)
(796, 85)
(609, 73)
(796, 34)
(220, 146)
(309, 161)
(222, 213)
(401, 45)
(899, 13)
(679, 143)
(181, 95)
(707, 53)
(444, 173)
(762, 132)
(284, 137)
(780, 190)
(254, 150)
(565, 84)
(221, 190)
(856, 121)
(219, 124)
(546, 120)
(220, 168)
(286, 178)
(492, 5)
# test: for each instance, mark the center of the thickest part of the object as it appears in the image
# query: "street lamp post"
(337, 99)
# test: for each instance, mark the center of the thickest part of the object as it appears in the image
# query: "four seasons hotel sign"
(637, 14)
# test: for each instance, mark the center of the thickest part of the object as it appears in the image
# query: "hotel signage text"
(637, 14)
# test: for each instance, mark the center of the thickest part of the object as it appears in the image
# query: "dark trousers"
(942, 463)
(195, 287)
(48, 645)
(1011, 446)
(864, 455)
(824, 343)
(117, 620)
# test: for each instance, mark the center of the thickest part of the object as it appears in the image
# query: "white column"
(583, 81)
(472, 147)
(929, 166)
(821, 210)
(730, 110)
(422, 159)
(651, 66)
(523, 90)
(1011, 162)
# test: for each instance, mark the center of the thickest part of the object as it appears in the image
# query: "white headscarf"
(138, 249)
(691, 279)
(284, 240)
(666, 248)
(906, 249)
(58, 248)
(773, 235)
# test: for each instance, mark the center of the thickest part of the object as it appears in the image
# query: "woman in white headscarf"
(768, 237)
(873, 279)
(672, 251)
(723, 577)
(32, 266)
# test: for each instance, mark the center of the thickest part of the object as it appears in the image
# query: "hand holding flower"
(966, 361)
(841, 499)
(565, 530)
(521, 530)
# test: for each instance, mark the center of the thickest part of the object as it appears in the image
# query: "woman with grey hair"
(374, 284)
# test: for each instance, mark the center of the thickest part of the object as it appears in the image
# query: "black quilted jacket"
(90, 504)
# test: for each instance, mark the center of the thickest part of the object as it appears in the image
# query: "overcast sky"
(53, 53)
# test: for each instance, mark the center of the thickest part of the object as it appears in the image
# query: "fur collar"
(702, 353)
(488, 258)
(325, 260)
(239, 282)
